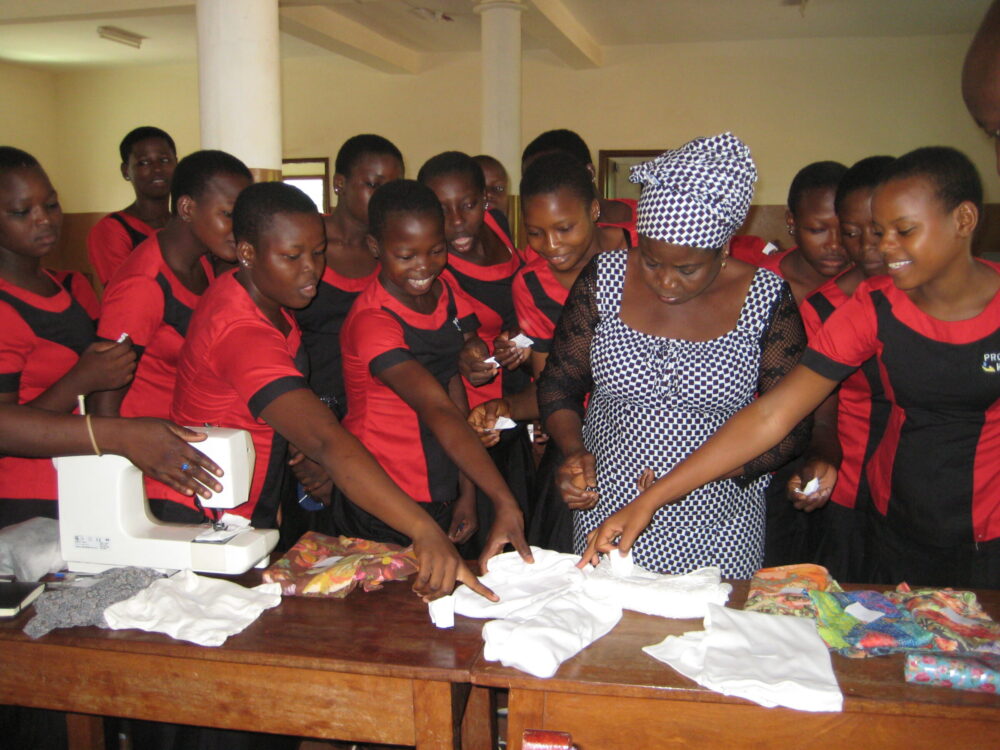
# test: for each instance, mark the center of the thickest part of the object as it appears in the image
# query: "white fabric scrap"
(550, 610)
(639, 590)
(194, 608)
(772, 660)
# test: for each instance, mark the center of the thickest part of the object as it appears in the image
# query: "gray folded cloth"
(69, 607)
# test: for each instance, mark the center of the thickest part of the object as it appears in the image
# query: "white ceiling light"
(115, 34)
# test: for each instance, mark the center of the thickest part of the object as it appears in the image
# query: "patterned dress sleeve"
(782, 345)
(567, 377)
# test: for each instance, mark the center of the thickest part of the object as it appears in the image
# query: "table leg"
(434, 716)
(85, 732)
(479, 723)
(525, 710)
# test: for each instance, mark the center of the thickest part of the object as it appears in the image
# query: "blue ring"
(185, 466)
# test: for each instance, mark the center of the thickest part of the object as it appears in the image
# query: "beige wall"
(793, 101)
(28, 111)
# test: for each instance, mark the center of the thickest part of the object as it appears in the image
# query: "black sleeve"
(567, 378)
(782, 345)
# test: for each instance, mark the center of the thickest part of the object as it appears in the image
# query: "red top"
(233, 364)
(862, 411)
(489, 289)
(935, 471)
(758, 252)
(539, 300)
(321, 322)
(41, 339)
(147, 301)
(112, 239)
(380, 331)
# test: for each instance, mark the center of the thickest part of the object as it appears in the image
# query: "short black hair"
(361, 145)
(15, 158)
(453, 162)
(862, 175)
(195, 171)
(484, 159)
(558, 140)
(819, 174)
(954, 176)
(258, 204)
(401, 197)
(141, 134)
(555, 171)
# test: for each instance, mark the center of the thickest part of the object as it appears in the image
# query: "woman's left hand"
(625, 526)
(507, 353)
(463, 520)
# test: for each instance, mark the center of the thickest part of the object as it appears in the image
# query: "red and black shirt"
(381, 332)
(112, 239)
(935, 472)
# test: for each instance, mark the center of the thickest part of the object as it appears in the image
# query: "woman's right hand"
(577, 480)
(824, 473)
(618, 532)
(104, 366)
(484, 417)
(161, 450)
(441, 567)
(471, 362)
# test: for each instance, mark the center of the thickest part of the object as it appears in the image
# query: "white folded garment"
(193, 608)
(634, 588)
(769, 659)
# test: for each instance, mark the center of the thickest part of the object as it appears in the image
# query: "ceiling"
(401, 36)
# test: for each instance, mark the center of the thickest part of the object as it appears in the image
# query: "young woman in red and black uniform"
(240, 367)
(363, 163)
(560, 209)
(148, 161)
(850, 423)
(613, 213)
(155, 291)
(482, 261)
(406, 400)
(48, 349)
(933, 323)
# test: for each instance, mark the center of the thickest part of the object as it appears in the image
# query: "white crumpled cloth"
(550, 610)
(772, 660)
(194, 608)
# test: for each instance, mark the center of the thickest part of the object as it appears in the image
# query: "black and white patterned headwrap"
(697, 195)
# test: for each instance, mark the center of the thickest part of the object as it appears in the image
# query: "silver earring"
(791, 231)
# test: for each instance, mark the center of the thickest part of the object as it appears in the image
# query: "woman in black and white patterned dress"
(670, 339)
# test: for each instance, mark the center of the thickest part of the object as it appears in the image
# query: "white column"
(500, 21)
(239, 77)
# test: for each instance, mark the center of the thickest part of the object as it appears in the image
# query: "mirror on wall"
(613, 170)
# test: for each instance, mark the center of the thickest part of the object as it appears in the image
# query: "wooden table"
(612, 695)
(368, 668)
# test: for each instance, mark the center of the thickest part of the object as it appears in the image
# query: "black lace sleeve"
(567, 378)
(781, 347)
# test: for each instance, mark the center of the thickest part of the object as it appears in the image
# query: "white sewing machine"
(105, 522)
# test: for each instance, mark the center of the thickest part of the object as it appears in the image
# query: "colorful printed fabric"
(784, 590)
(981, 674)
(857, 624)
(956, 618)
(320, 565)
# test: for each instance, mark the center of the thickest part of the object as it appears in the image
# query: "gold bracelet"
(93, 440)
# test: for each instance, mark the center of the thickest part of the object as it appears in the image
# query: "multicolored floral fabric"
(980, 673)
(956, 618)
(320, 565)
(866, 623)
(784, 590)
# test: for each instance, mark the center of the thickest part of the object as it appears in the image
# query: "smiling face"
(211, 215)
(413, 253)
(463, 207)
(369, 172)
(817, 231)
(677, 273)
(918, 239)
(288, 260)
(857, 233)
(560, 227)
(150, 167)
(30, 214)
